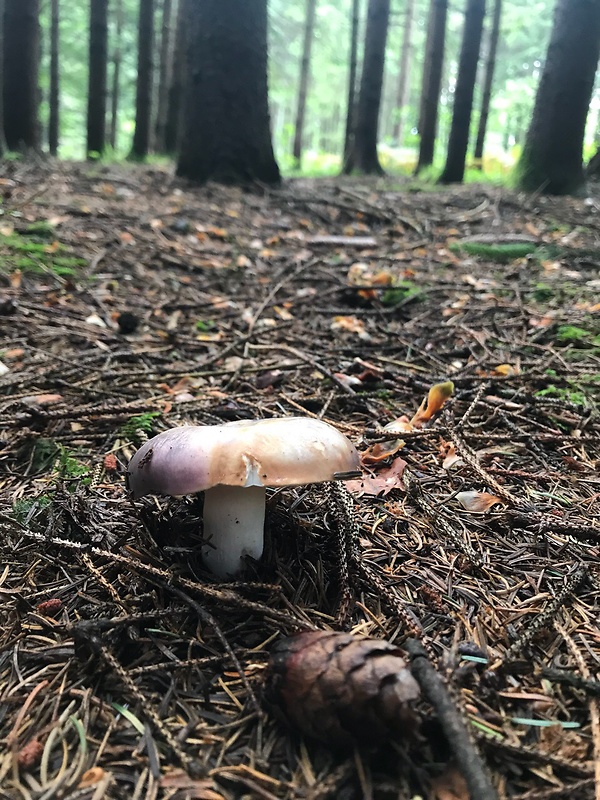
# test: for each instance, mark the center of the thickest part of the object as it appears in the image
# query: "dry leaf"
(477, 501)
(350, 325)
(382, 483)
(37, 400)
(400, 425)
(451, 458)
(380, 451)
(91, 777)
(433, 403)
(450, 786)
(189, 788)
(505, 370)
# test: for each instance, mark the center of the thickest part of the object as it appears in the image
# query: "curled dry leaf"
(382, 483)
(91, 777)
(451, 458)
(350, 325)
(436, 397)
(187, 787)
(478, 501)
(341, 689)
(380, 451)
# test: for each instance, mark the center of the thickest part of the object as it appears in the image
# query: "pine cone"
(343, 689)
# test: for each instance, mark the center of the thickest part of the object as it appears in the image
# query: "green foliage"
(205, 325)
(571, 334)
(25, 507)
(130, 430)
(543, 292)
(574, 396)
(500, 253)
(400, 292)
(26, 252)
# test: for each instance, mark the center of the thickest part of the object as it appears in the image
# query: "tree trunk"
(552, 156)
(96, 109)
(166, 71)
(309, 30)
(116, 74)
(226, 135)
(54, 98)
(3, 147)
(143, 94)
(21, 65)
(458, 142)
(362, 156)
(432, 81)
(350, 112)
(175, 94)
(403, 73)
(488, 80)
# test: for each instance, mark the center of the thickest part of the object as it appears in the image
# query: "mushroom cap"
(286, 451)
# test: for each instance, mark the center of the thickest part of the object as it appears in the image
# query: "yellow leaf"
(477, 501)
(438, 394)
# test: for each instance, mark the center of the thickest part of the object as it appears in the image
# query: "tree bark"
(3, 147)
(116, 74)
(552, 157)
(309, 30)
(432, 81)
(96, 109)
(404, 73)
(351, 109)
(143, 94)
(488, 80)
(21, 65)
(226, 135)
(54, 98)
(175, 94)
(458, 142)
(362, 156)
(165, 73)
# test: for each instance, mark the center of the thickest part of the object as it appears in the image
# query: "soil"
(131, 302)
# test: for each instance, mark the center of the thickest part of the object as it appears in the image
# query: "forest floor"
(131, 303)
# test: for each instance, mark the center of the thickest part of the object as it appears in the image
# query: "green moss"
(399, 293)
(542, 292)
(42, 229)
(144, 423)
(571, 334)
(27, 253)
(570, 395)
(500, 253)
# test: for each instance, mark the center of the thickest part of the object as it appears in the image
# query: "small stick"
(467, 756)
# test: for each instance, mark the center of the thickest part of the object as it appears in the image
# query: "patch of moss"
(25, 508)
(543, 292)
(574, 396)
(42, 229)
(571, 334)
(30, 253)
(500, 253)
(144, 423)
(405, 290)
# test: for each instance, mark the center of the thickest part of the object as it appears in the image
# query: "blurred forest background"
(524, 34)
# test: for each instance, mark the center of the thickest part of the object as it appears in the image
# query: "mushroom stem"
(234, 520)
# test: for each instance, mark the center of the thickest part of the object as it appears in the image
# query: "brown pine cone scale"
(343, 689)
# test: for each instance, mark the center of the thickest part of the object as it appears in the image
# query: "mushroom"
(233, 463)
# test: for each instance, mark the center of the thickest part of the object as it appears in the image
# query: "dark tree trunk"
(3, 147)
(309, 30)
(116, 74)
(54, 99)
(362, 156)
(404, 73)
(96, 109)
(166, 69)
(143, 94)
(175, 94)
(432, 81)
(21, 64)
(488, 80)
(226, 135)
(552, 156)
(458, 142)
(351, 108)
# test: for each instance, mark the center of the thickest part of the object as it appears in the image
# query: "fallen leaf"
(380, 451)
(349, 381)
(477, 501)
(400, 425)
(437, 396)
(350, 325)
(190, 788)
(34, 400)
(382, 483)
(505, 370)
(450, 786)
(91, 777)
(451, 458)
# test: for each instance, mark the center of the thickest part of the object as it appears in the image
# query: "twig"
(467, 755)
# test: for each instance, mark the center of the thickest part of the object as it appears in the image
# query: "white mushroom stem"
(234, 521)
